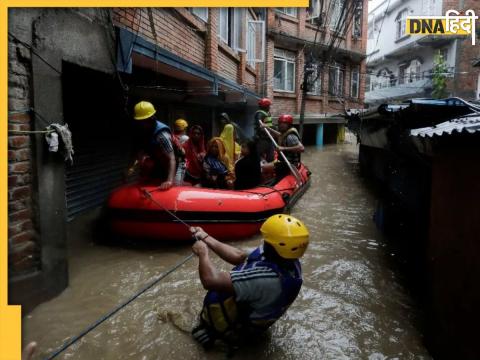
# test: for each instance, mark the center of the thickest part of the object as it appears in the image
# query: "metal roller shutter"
(98, 168)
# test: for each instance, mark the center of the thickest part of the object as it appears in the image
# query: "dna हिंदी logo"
(453, 23)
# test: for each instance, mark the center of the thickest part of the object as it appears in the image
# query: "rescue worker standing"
(289, 143)
(246, 301)
(157, 154)
(265, 148)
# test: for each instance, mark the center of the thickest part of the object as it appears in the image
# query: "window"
(355, 82)
(314, 81)
(444, 53)
(284, 70)
(401, 23)
(384, 79)
(202, 13)
(336, 75)
(255, 38)
(223, 27)
(314, 10)
(251, 41)
(357, 20)
(288, 11)
(230, 27)
(413, 72)
(337, 19)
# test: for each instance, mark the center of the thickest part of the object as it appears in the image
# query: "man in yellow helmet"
(157, 143)
(180, 130)
(258, 290)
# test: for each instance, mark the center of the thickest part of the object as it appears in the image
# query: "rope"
(149, 195)
(117, 309)
(125, 303)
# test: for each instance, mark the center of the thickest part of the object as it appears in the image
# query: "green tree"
(439, 77)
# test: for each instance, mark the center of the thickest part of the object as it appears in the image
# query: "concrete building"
(87, 68)
(400, 65)
(295, 34)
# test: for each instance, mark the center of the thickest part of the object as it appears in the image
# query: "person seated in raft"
(229, 138)
(194, 154)
(217, 167)
(248, 173)
(289, 143)
(243, 303)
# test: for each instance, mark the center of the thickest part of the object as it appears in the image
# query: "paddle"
(292, 169)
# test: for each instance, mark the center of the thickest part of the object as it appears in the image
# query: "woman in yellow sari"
(218, 169)
(231, 147)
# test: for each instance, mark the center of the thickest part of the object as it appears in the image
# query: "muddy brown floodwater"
(352, 304)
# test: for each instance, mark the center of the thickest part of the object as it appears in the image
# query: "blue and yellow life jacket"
(223, 315)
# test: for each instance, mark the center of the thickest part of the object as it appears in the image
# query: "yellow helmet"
(144, 110)
(180, 124)
(288, 235)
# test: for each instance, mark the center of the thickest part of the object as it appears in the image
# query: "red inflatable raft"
(224, 214)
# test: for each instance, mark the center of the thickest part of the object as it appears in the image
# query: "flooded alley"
(352, 305)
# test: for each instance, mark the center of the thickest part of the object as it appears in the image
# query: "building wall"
(385, 24)
(298, 30)
(176, 30)
(189, 37)
(228, 63)
(23, 244)
(453, 253)
(465, 83)
(42, 41)
(462, 81)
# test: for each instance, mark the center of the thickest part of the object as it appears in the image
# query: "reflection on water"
(351, 306)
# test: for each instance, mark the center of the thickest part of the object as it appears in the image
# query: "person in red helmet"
(265, 147)
(289, 143)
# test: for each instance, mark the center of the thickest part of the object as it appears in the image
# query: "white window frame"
(355, 73)
(252, 51)
(290, 11)
(317, 85)
(230, 28)
(339, 68)
(285, 57)
(357, 14)
(335, 15)
(223, 15)
(401, 24)
(444, 52)
(200, 12)
(315, 7)
(413, 71)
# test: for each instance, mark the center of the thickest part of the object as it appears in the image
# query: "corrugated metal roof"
(470, 124)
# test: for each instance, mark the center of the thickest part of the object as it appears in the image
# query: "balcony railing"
(376, 82)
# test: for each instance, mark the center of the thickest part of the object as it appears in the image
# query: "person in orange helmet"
(265, 148)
